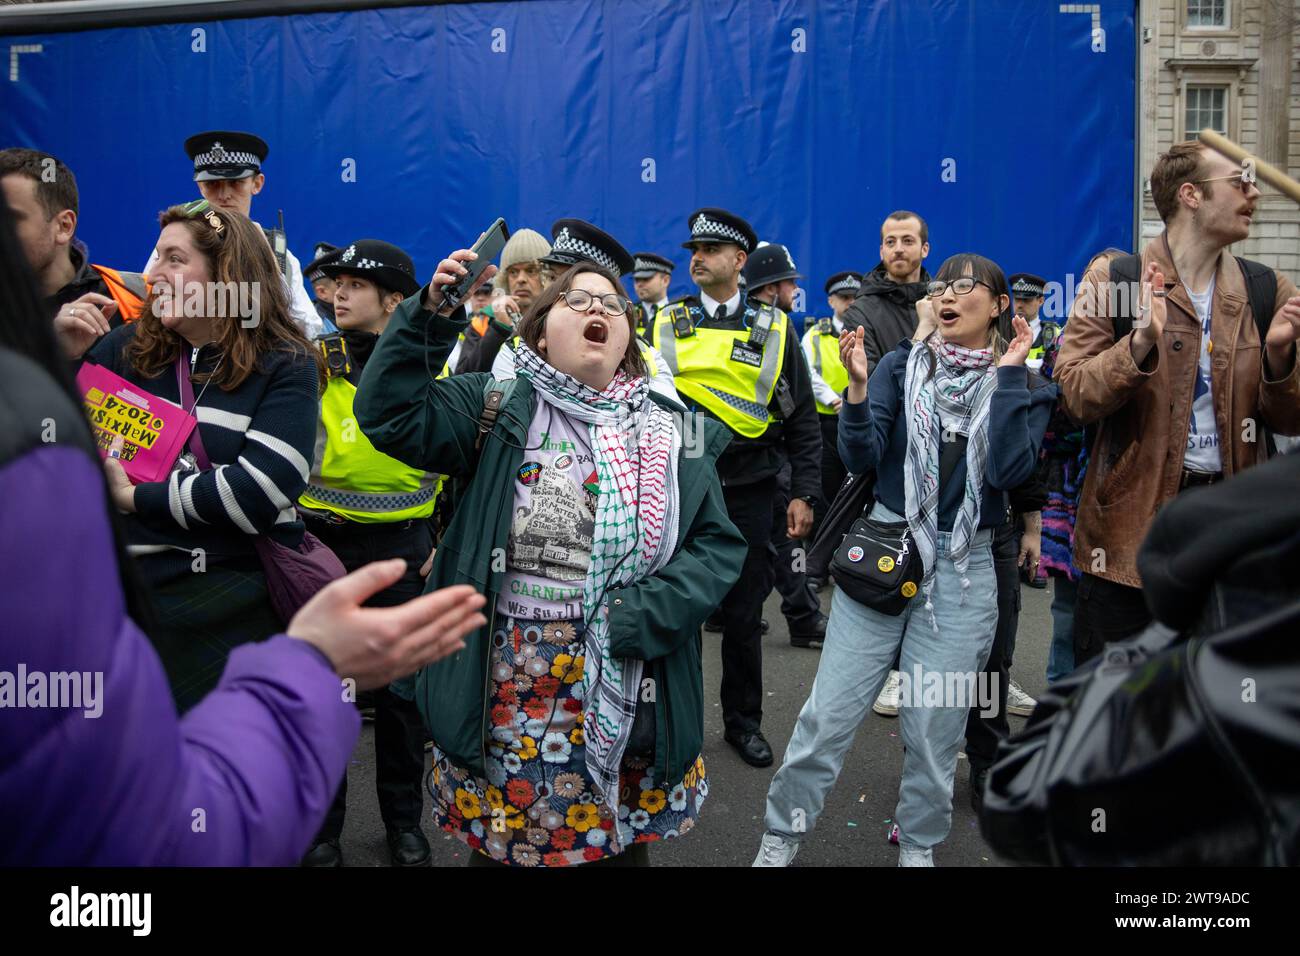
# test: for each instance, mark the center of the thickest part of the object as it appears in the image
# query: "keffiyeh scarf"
(954, 400)
(636, 444)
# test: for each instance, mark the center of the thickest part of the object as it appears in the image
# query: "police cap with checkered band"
(225, 154)
(573, 241)
(649, 264)
(717, 225)
(381, 262)
(844, 283)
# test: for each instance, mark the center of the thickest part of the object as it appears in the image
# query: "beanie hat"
(525, 245)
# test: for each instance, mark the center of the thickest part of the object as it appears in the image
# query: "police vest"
(731, 372)
(353, 480)
(1046, 336)
(127, 289)
(826, 362)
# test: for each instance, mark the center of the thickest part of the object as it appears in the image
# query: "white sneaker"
(775, 850)
(886, 704)
(1018, 702)
(915, 856)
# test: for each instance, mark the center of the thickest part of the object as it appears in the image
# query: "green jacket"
(433, 424)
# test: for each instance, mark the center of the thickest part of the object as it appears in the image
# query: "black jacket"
(85, 280)
(750, 460)
(478, 352)
(886, 309)
(1226, 553)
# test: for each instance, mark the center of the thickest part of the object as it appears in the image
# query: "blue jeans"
(1060, 657)
(860, 646)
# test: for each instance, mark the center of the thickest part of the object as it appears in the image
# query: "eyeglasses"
(1238, 181)
(960, 286)
(201, 207)
(579, 300)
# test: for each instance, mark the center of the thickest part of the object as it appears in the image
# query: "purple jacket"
(243, 779)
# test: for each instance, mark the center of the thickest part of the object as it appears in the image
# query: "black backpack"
(1176, 747)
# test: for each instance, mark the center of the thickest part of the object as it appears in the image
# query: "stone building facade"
(1230, 65)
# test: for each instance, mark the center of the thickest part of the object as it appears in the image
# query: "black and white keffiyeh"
(954, 400)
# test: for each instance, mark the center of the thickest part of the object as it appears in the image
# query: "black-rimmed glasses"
(963, 285)
(579, 300)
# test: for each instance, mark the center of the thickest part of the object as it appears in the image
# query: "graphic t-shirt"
(554, 518)
(1202, 452)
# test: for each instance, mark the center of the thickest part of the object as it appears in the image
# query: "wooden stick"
(1264, 171)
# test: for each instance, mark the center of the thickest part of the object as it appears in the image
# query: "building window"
(1207, 14)
(1206, 106)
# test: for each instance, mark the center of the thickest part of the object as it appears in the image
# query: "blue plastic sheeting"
(997, 120)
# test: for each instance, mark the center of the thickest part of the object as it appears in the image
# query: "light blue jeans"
(860, 646)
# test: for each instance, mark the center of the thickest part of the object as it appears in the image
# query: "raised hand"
(854, 355)
(377, 645)
(80, 322)
(1018, 349)
(1149, 319)
(1282, 336)
(449, 272)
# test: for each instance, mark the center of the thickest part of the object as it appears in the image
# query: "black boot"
(323, 853)
(810, 636)
(408, 847)
(752, 747)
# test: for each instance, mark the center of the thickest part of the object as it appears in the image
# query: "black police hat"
(573, 241)
(324, 252)
(225, 154)
(648, 264)
(380, 262)
(717, 225)
(844, 283)
(1026, 285)
(770, 262)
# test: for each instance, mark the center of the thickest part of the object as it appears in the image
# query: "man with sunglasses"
(1184, 398)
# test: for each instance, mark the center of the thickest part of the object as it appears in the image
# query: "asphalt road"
(854, 827)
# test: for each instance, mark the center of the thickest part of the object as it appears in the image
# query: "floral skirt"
(538, 805)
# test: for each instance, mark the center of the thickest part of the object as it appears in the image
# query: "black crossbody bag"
(876, 564)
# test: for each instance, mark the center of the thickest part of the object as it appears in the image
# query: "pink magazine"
(153, 430)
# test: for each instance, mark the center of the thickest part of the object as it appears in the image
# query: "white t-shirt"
(1202, 452)
(553, 521)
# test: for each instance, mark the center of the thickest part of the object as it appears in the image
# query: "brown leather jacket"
(1144, 413)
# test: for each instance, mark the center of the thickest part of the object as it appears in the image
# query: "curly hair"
(239, 259)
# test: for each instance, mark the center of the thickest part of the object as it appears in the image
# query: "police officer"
(1027, 290)
(770, 276)
(228, 169)
(821, 348)
(367, 506)
(322, 286)
(735, 358)
(652, 276)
